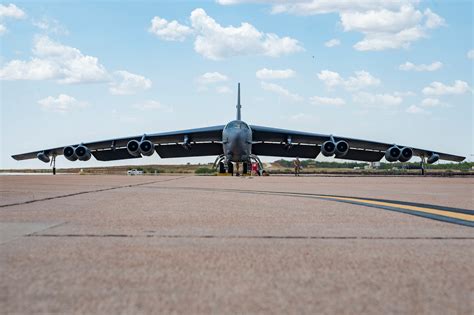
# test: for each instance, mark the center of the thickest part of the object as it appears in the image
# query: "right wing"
(182, 143)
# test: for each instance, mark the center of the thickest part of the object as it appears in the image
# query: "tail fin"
(238, 102)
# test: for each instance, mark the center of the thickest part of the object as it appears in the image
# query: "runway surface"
(117, 244)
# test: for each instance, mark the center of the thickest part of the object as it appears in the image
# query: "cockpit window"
(237, 125)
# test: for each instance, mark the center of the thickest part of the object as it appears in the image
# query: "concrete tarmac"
(188, 244)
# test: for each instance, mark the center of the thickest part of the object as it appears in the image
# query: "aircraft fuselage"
(237, 141)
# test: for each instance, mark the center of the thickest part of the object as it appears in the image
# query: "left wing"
(182, 143)
(290, 143)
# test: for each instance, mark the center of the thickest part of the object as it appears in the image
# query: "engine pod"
(328, 148)
(69, 153)
(82, 153)
(342, 147)
(147, 148)
(433, 158)
(133, 147)
(393, 154)
(406, 154)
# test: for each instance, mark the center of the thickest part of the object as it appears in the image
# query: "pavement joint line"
(86, 192)
(450, 215)
(298, 237)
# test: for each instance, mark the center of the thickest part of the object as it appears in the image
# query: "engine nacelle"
(69, 153)
(406, 154)
(82, 153)
(342, 147)
(328, 148)
(133, 147)
(147, 147)
(43, 157)
(393, 154)
(432, 158)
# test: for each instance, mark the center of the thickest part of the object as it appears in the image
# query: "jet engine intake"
(328, 148)
(432, 158)
(393, 154)
(133, 147)
(43, 157)
(82, 153)
(406, 154)
(147, 147)
(342, 147)
(69, 153)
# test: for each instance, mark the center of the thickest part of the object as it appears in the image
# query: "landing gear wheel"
(221, 168)
(245, 168)
(230, 168)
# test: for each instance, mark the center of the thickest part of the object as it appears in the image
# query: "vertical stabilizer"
(238, 102)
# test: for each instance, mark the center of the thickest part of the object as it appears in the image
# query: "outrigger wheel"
(221, 168)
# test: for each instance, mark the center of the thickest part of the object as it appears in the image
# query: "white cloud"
(407, 66)
(61, 104)
(126, 83)
(215, 42)
(269, 74)
(55, 61)
(223, 89)
(361, 80)
(9, 11)
(377, 100)
(319, 100)
(50, 26)
(406, 93)
(438, 88)
(152, 105)
(390, 24)
(172, 31)
(470, 54)
(275, 88)
(211, 77)
(413, 109)
(430, 102)
(303, 117)
(332, 43)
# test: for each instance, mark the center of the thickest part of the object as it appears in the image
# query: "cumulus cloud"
(408, 66)
(214, 41)
(385, 24)
(55, 61)
(470, 54)
(332, 43)
(269, 74)
(361, 80)
(438, 88)
(172, 31)
(413, 109)
(9, 11)
(377, 100)
(151, 105)
(223, 89)
(430, 102)
(277, 89)
(126, 83)
(63, 103)
(212, 77)
(319, 100)
(49, 25)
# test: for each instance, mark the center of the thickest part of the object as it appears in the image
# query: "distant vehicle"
(238, 142)
(134, 172)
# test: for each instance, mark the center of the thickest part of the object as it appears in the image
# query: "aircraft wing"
(274, 142)
(182, 143)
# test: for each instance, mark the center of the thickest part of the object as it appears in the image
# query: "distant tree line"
(465, 166)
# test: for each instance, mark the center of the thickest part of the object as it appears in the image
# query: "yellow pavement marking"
(456, 215)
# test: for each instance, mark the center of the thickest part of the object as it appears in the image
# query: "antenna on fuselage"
(238, 102)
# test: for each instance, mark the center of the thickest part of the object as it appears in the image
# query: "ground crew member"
(297, 165)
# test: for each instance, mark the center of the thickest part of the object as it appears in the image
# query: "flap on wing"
(362, 155)
(274, 149)
(113, 155)
(196, 149)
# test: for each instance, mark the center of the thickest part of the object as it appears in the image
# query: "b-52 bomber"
(238, 142)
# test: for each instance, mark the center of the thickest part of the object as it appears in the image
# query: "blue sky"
(393, 71)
